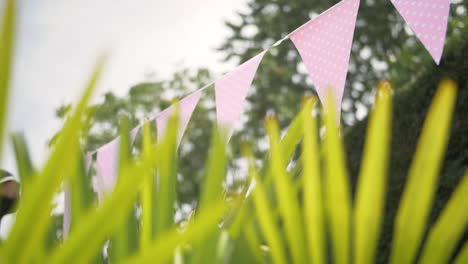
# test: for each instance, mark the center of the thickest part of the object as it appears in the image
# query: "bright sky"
(59, 41)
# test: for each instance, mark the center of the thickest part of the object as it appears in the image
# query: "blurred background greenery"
(383, 48)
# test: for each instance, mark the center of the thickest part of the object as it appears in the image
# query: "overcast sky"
(59, 41)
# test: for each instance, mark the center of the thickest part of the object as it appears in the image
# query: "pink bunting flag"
(428, 19)
(231, 91)
(107, 161)
(186, 108)
(324, 44)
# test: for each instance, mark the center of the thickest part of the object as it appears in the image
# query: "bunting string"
(324, 44)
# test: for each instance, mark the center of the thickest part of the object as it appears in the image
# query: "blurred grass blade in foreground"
(23, 160)
(37, 203)
(263, 211)
(314, 222)
(7, 36)
(336, 187)
(287, 199)
(449, 227)
(370, 197)
(417, 197)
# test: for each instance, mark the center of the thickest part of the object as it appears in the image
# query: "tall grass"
(300, 213)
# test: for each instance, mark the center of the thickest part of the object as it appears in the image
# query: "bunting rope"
(324, 44)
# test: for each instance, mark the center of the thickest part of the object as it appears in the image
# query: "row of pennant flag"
(324, 44)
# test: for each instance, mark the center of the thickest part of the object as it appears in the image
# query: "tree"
(382, 49)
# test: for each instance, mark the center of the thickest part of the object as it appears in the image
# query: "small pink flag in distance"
(107, 161)
(186, 108)
(324, 44)
(231, 91)
(428, 19)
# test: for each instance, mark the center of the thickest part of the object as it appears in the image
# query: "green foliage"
(282, 236)
(382, 49)
(7, 30)
(296, 211)
(410, 106)
(370, 195)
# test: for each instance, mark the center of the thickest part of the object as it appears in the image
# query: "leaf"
(167, 178)
(164, 246)
(23, 160)
(314, 225)
(124, 241)
(37, 203)
(264, 212)
(212, 190)
(462, 257)
(337, 190)
(82, 194)
(286, 196)
(417, 197)
(7, 37)
(147, 190)
(99, 224)
(449, 227)
(370, 197)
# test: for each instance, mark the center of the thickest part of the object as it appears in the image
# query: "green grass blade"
(264, 212)
(337, 190)
(123, 242)
(167, 178)
(23, 160)
(286, 196)
(450, 226)
(7, 36)
(82, 194)
(147, 190)
(288, 143)
(163, 248)
(100, 224)
(313, 201)
(462, 257)
(370, 197)
(212, 190)
(422, 179)
(82, 197)
(253, 241)
(36, 204)
(294, 133)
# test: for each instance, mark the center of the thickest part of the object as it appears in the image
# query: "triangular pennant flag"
(186, 108)
(107, 161)
(231, 91)
(428, 19)
(324, 44)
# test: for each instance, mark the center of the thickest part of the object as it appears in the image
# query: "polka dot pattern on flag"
(428, 19)
(231, 91)
(186, 108)
(324, 44)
